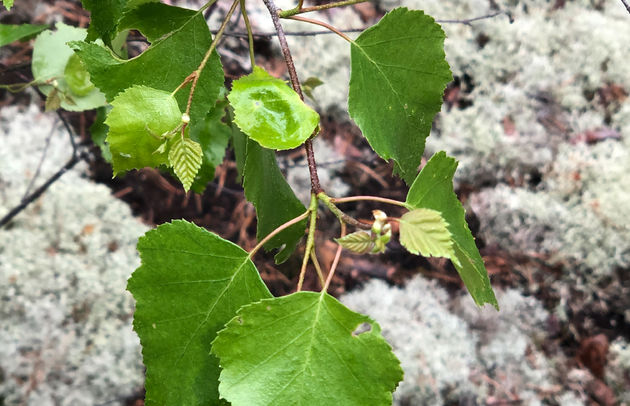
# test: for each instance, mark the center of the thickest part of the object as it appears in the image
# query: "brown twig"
(295, 83)
(626, 4)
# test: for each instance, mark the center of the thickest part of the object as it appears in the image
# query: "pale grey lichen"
(65, 319)
(446, 349)
(618, 370)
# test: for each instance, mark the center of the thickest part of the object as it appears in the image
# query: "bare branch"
(626, 4)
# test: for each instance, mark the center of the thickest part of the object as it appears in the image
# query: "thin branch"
(626, 4)
(41, 161)
(343, 217)
(250, 37)
(370, 198)
(318, 268)
(295, 83)
(310, 240)
(39, 191)
(276, 231)
(333, 267)
(299, 9)
(322, 24)
(264, 35)
(206, 57)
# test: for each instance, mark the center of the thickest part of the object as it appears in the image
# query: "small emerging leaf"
(270, 112)
(8, 4)
(304, 349)
(185, 158)
(139, 118)
(360, 242)
(53, 100)
(310, 84)
(425, 232)
(77, 77)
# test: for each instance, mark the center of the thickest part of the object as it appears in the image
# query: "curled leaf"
(360, 242)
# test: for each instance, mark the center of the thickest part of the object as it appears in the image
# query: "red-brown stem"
(295, 83)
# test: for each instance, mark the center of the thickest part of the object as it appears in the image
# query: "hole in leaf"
(362, 328)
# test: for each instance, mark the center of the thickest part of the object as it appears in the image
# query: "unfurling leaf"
(270, 112)
(310, 84)
(8, 4)
(185, 158)
(399, 73)
(77, 76)
(424, 232)
(360, 242)
(283, 351)
(433, 189)
(140, 118)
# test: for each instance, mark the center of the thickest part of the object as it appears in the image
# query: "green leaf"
(50, 58)
(310, 84)
(213, 136)
(77, 77)
(304, 349)
(191, 282)
(270, 112)
(140, 117)
(8, 4)
(98, 132)
(104, 16)
(149, 20)
(425, 232)
(185, 156)
(267, 189)
(10, 33)
(157, 66)
(433, 189)
(360, 242)
(399, 73)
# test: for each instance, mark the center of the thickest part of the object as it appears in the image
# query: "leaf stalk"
(299, 9)
(310, 240)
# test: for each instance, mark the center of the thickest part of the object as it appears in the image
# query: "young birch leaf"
(8, 4)
(156, 67)
(270, 112)
(185, 156)
(433, 189)
(399, 73)
(191, 282)
(139, 117)
(51, 56)
(424, 232)
(360, 242)
(10, 33)
(98, 132)
(302, 349)
(77, 77)
(267, 189)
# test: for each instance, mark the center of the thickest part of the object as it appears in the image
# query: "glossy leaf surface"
(139, 118)
(399, 73)
(50, 58)
(191, 282)
(433, 189)
(267, 189)
(302, 349)
(10, 33)
(424, 232)
(270, 112)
